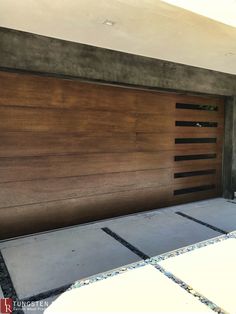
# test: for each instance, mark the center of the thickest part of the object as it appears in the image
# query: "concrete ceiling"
(219, 10)
(145, 27)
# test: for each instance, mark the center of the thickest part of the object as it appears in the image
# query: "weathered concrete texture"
(233, 134)
(228, 148)
(30, 52)
(160, 232)
(40, 263)
(219, 214)
(229, 164)
(1, 293)
(26, 51)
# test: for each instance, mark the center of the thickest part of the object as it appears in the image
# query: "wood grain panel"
(197, 179)
(189, 99)
(69, 121)
(166, 141)
(13, 144)
(192, 197)
(155, 123)
(43, 167)
(199, 115)
(74, 187)
(41, 144)
(215, 132)
(49, 92)
(155, 103)
(194, 167)
(201, 182)
(40, 217)
(73, 152)
(152, 123)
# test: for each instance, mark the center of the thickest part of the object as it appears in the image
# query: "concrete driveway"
(40, 267)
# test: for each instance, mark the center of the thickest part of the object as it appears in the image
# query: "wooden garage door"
(73, 152)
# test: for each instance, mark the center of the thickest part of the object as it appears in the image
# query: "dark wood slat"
(166, 141)
(198, 115)
(198, 162)
(194, 167)
(201, 181)
(196, 180)
(202, 100)
(201, 163)
(166, 124)
(192, 197)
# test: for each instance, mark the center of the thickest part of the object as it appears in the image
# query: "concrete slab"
(198, 204)
(1, 294)
(172, 209)
(130, 217)
(219, 214)
(39, 307)
(161, 232)
(48, 261)
(210, 271)
(140, 290)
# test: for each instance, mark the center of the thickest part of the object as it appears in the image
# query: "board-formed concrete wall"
(34, 53)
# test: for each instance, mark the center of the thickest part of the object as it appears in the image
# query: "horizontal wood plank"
(14, 144)
(73, 152)
(59, 121)
(45, 216)
(43, 167)
(49, 92)
(155, 103)
(33, 168)
(152, 123)
(37, 191)
(166, 141)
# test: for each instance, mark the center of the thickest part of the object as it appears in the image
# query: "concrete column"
(229, 160)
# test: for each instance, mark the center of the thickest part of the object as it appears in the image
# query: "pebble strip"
(154, 262)
(107, 274)
(192, 247)
(189, 289)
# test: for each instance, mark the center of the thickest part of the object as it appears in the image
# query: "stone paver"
(210, 271)
(161, 232)
(219, 214)
(48, 261)
(141, 290)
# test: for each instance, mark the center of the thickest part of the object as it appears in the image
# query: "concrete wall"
(229, 173)
(34, 53)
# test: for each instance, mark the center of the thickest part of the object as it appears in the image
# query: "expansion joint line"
(176, 280)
